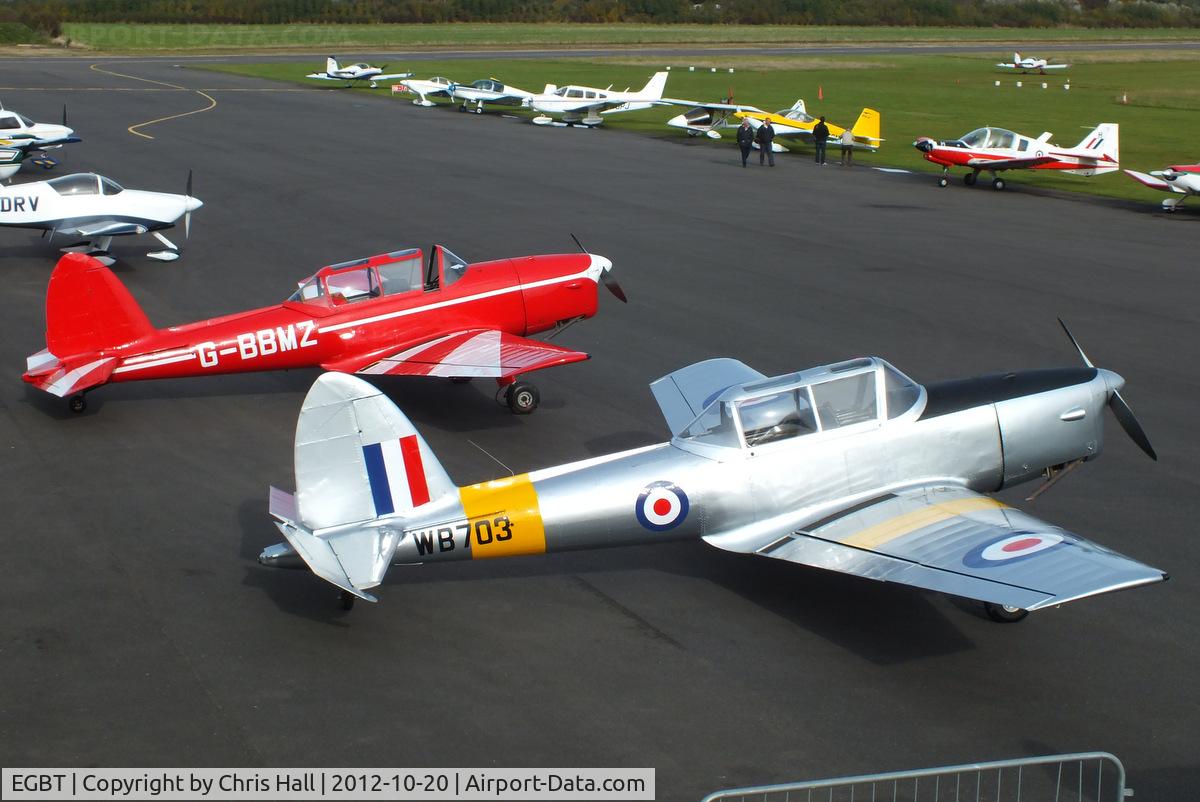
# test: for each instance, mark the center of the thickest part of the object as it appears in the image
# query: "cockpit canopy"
(391, 273)
(799, 115)
(860, 393)
(10, 120)
(84, 184)
(990, 138)
(489, 85)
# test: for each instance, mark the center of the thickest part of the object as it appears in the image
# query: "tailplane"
(360, 467)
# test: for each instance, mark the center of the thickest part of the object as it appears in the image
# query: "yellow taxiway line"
(212, 101)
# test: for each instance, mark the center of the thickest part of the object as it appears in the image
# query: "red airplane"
(398, 314)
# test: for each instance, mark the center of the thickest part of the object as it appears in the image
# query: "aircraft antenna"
(511, 472)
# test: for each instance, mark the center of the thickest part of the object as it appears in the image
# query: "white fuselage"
(38, 205)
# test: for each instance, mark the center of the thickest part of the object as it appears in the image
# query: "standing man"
(847, 140)
(820, 135)
(745, 139)
(764, 137)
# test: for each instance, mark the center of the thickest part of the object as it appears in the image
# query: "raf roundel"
(661, 506)
(1012, 547)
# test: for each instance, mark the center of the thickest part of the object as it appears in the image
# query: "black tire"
(78, 403)
(943, 181)
(969, 179)
(998, 184)
(346, 600)
(522, 398)
(1004, 615)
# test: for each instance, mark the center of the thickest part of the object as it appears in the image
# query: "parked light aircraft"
(583, 105)
(707, 118)
(425, 88)
(355, 72)
(21, 137)
(851, 467)
(97, 208)
(1029, 63)
(997, 149)
(796, 122)
(488, 90)
(1181, 178)
(398, 314)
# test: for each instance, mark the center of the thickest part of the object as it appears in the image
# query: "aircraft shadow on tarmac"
(884, 624)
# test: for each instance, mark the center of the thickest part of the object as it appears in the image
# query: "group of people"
(765, 135)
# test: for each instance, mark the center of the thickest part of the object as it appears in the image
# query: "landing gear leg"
(77, 403)
(346, 600)
(945, 178)
(1004, 614)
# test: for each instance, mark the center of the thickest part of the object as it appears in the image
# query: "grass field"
(143, 38)
(939, 96)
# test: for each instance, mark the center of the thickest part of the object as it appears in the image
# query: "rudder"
(88, 309)
(868, 126)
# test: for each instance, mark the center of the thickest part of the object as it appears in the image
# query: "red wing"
(471, 353)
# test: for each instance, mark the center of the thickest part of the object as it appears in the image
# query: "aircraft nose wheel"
(77, 403)
(943, 181)
(998, 184)
(522, 398)
(1004, 614)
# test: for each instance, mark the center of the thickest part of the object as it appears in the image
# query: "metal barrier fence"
(1078, 777)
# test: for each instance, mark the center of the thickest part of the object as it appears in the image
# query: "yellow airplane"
(797, 122)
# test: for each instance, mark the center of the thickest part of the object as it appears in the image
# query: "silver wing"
(684, 394)
(953, 540)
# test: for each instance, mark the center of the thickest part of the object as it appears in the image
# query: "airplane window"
(28, 122)
(402, 276)
(1001, 138)
(900, 392)
(453, 267)
(440, 80)
(714, 426)
(976, 139)
(575, 93)
(8, 121)
(779, 416)
(845, 402)
(589, 94)
(308, 291)
(352, 285)
(109, 187)
(77, 184)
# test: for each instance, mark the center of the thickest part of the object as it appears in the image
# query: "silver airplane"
(852, 467)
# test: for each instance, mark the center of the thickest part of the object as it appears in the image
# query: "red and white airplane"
(997, 149)
(398, 313)
(1181, 178)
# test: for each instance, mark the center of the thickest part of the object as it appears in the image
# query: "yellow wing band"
(875, 536)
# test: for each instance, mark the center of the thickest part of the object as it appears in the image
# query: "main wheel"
(522, 398)
(1003, 613)
(997, 184)
(943, 181)
(346, 599)
(78, 403)
(969, 179)
(479, 109)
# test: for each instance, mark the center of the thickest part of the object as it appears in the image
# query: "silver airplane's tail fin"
(360, 468)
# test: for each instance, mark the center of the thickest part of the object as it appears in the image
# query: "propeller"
(64, 115)
(1117, 404)
(606, 276)
(187, 216)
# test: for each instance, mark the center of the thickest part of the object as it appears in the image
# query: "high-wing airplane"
(355, 72)
(797, 122)
(97, 208)
(1181, 178)
(707, 118)
(1029, 63)
(488, 90)
(583, 105)
(425, 88)
(399, 314)
(21, 137)
(997, 149)
(851, 467)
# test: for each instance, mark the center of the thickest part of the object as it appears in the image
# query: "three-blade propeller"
(607, 277)
(1117, 404)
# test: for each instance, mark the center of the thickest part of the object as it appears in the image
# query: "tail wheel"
(1004, 614)
(522, 398)
(78, 403)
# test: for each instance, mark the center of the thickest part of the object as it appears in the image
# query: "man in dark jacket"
(820, 136)
(745, 137)
(764, 137)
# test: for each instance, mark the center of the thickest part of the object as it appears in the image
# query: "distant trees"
(45, 16)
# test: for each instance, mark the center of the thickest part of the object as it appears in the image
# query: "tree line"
(46, 16)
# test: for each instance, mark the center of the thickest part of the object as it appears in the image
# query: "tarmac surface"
(138, 629)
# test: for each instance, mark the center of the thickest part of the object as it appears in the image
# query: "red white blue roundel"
(1015, 546)
(661, 506)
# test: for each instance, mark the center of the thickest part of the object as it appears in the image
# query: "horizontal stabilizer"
(325, 557)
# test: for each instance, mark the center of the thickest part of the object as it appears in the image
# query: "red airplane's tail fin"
(88, 309)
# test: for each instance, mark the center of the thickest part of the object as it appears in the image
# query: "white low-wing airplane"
(488, 90)
(1181, 178)
(1029, 63)
(706, 118)
(97, 208)
(423, 88)
(21, 137)
(583, 105)
(355, 72)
